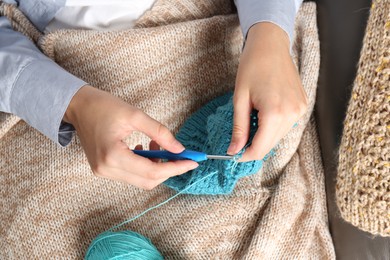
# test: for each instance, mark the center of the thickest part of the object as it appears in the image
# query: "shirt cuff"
(278, 12)
(43, 103)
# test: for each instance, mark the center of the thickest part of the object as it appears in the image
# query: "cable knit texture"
(363, 181)
(182, 55)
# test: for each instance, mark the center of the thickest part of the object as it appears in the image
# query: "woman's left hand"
(268, 81)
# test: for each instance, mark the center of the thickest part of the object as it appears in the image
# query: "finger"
(241, 123)
(157, 132)
(132, 179)
(172, 168)
(140, 182)
(264, 139)
(145, 168)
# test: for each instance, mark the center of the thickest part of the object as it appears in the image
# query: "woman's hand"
(267, 81)
(102, 121)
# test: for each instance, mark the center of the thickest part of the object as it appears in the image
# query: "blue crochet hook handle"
(185, 155)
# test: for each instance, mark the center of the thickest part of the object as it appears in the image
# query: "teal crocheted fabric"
(209, 130)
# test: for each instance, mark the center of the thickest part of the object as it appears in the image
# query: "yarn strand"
(160, 204)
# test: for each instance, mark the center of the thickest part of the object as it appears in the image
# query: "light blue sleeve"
(34, 87)
(39, 12)
(279, 12)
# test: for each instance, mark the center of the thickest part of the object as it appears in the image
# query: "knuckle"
(137, 116)
(276, 113)
(303, 106)
(152, 175)
(148, 186)
(276, 108)
(299, 109)
(238, 130)
(280, 112)
(162, 131)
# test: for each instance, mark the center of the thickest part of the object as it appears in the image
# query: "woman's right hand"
(102, 121)
(267, 81)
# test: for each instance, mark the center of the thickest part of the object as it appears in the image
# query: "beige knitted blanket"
(183, 54)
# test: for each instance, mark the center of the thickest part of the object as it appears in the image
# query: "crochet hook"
(185, 155)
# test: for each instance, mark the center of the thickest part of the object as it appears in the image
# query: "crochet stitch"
(209, 130)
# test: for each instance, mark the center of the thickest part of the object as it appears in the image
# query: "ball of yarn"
(122, 245)
(209, 130)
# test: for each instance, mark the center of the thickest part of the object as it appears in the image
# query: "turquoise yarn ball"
(122, 245)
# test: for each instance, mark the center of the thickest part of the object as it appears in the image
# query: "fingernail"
(193, 166)
(232, 148)
(178, 145)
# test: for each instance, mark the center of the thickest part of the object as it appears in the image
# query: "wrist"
(76, 103)
(269, 37)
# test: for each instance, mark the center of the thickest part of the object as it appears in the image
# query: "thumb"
(157, 132)
(241, 121)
